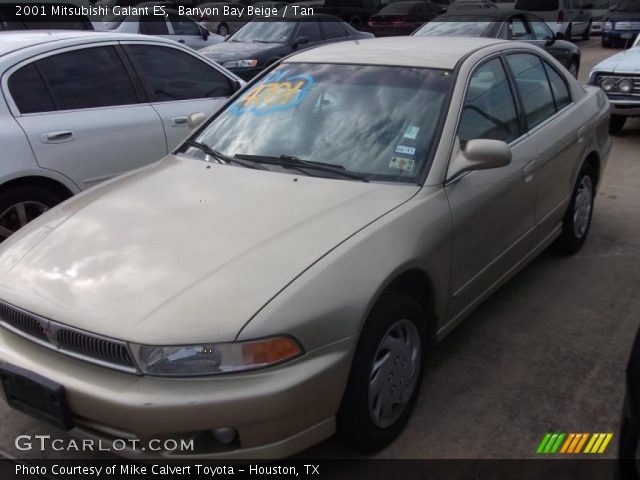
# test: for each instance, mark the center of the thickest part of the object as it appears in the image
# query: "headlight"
(608, 25)
(240, 63)
(626, 85)
(607, 84)
(213, 359)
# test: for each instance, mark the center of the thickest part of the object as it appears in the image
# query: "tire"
(361, 420)
(20, 205)
(574, 68)
(577, 219)
(223, 29)
(587, 33)
(606, 43)
(616, 124)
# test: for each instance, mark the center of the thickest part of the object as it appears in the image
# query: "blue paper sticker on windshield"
(405, 150)
(275, 93)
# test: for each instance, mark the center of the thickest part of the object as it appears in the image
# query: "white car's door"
(179, 83)
(83, 114)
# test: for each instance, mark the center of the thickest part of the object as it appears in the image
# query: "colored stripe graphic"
(573, 443)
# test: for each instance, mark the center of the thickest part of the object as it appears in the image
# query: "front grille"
(70, 341)
(627, 25)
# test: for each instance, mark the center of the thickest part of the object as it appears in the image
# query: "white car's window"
(29, 91)
(489, 110)
(87, 78)
(381, 122)
(174, 75)
(532, 83)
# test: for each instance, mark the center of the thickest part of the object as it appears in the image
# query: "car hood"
(627, 61)
(182, 251)
(226, 51)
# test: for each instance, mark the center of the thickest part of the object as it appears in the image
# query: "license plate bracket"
(36, 396)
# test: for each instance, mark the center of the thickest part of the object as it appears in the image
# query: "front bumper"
(628, 107)
(276, 412)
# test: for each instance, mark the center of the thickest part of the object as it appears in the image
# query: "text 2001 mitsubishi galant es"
(282, 274)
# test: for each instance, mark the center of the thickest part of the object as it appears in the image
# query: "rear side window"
(87, 78)
(29, 91)
(558, 87)
(174, 75)
(489, 110)
(533, 87)
(334, 30)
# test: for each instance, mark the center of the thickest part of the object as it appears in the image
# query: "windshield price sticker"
(276, 93)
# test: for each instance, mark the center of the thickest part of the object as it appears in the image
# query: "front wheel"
(20, 205)
(577, 219)
(616, 124)
(386, 374)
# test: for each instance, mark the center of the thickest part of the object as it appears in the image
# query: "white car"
(569, 18)
(176, 27)
(619, 77)
(81, 107)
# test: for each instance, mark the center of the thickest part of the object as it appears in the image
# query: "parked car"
(10, 20)
(622, 25)
(244, 290)
(221, 24)
(507, 25)
(619, 77)
(176, 27)
(77, 109)
(599, 12)
(259, 44)
(403, 17)
(629, 436)
(569, 18)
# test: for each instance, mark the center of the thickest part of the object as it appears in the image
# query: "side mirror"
(195, 119)
(205, 34)
(481, 154)
(299, 41)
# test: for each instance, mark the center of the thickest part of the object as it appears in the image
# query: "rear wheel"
(606, 43)
(616, 124)
(577, 219)
(386, 374)
(20, 205)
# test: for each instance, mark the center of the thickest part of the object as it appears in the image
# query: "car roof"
(426, 52)
(11, 41)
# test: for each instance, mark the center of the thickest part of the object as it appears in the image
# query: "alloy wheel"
(582, 206)
(18, 215)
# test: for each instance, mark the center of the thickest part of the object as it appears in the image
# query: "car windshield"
(267, 32)
(379, 122)
(457, 26)
(628, 6)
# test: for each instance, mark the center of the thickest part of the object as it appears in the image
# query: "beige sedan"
(283, 274)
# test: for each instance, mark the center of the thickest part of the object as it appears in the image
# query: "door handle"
(529, 170)
(179, 121)
(57, 137)
(180, 41)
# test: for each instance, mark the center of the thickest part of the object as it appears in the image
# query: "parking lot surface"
(545, 353)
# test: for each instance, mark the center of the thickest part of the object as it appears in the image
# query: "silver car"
(283, 274)
(81, 107)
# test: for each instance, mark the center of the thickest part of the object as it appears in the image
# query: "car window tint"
(152, 25)
(489, 110)
(334, 30)
(558, 87)
(175, 75)
(29, 91)
(309, 29)
(519, 30)
(182, 25)
(533, 87)
(87, 78)
(541, 30)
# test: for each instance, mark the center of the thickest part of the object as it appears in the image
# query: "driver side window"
(489, 110)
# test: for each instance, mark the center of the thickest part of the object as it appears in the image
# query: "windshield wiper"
(219, 156)
(289, 161)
